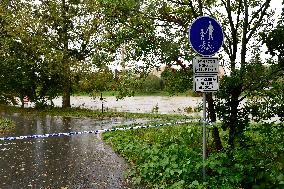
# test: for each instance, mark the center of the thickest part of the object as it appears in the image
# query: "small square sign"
(206, 65)
(206, 83)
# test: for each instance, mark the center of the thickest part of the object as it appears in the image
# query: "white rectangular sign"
(206, 65)
(208, 83)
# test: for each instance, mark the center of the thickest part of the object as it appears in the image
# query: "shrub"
(171, 157)
(151, 84)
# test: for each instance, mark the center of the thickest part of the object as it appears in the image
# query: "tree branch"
(258, 23)
(186, 4)
(210, 12)
(193, 9)
(179, 2)
(229, 12)
(239, 12)
(233, 44)
(200, 7)
(235, 32)
(257, 13)
(230, 44)
(226, 49)
(266, 79)
(245, 31)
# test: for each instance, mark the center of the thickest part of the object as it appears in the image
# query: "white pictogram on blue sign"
(206, 36)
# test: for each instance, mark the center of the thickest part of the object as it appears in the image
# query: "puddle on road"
(78, 161)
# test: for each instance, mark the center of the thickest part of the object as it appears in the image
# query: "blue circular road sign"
(206, 35)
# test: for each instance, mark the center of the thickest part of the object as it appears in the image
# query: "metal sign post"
(206, 38)
(204, 133)
(102, 100)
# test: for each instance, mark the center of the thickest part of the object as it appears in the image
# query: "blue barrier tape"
(98, 131)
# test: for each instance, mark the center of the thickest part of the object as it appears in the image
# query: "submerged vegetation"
(171, 157)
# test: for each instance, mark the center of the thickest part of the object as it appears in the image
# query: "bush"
(177, 81)
(171, 157)
(259, 164)
(161, 157)
(151, 84)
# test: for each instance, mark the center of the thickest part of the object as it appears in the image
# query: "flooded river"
(138, 104)
(77, 161)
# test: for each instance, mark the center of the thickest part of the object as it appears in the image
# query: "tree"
(177, 81)
(159, 28)
(242, 30)
(5, 40)
(274, 41)
(151, 84)
(18, 67)
(70, 30)
(24, 71)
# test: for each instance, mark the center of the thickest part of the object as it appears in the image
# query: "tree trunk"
(65, 61)
(66, 86)
(212, 115)
(233, 119)
(22, 102)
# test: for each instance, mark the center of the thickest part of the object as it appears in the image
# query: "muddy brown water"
(77, 161)
(138, 104)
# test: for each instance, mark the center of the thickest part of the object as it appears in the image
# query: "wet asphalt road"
(78, 161)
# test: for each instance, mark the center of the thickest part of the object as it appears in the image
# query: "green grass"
(171, 157)
(6, 125)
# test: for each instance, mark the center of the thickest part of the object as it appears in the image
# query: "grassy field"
(171, 157)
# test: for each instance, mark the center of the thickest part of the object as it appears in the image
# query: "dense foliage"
(177, 80)
(170, 157)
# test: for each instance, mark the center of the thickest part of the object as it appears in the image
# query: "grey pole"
(204, 134)
(102, 102)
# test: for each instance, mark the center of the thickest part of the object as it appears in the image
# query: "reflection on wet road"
(78, 161)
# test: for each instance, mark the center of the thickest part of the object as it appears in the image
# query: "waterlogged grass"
(6, 125)
(171, 157)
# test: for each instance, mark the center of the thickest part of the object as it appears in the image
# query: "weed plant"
(171, 157)
(6, 125)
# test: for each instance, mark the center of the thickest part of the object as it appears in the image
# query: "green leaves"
(170, 157)
(177, 81)
(160, 158)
